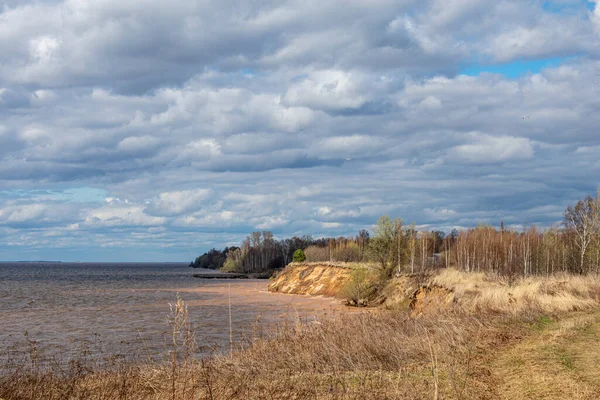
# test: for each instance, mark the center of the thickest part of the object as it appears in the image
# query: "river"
(65, 310)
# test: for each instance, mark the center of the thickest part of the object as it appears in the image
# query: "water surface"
(122, 309)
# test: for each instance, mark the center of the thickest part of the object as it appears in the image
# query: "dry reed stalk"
(230, 324)
(434, 366)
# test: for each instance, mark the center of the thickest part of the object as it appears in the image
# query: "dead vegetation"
(336, 264)
(476, 292)
(485, 343)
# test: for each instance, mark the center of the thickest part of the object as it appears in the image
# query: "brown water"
(122, 309)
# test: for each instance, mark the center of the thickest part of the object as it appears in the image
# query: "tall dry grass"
(338, 264)
(477, 292)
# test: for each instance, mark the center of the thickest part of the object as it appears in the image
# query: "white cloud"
(595, 17)
(43, 49)
(134, 144)
(116, 216)
(272, 222)
(324, 211)
(202, 149)
(485, 149)
(22, 213)
(440, 213)
(431, 102)
(326, 90)
(348, 146)
(43, 96)
(588, 150)
(179, 202)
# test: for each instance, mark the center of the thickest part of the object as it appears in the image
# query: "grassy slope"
(559, 360)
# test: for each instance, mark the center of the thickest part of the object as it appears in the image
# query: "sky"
(146, 130)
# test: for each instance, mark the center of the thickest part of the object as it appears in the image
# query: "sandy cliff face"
(311, 279)
(329, 279)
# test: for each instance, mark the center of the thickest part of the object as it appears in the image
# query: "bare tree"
(386, 245)
(583, 220)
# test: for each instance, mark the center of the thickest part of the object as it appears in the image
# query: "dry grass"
(337, 264)
(369, 355)
(560, 361)
(559, 293)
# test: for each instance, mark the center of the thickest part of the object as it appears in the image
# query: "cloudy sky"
(154, 130)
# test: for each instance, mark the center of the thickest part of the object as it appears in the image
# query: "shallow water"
(122, 309)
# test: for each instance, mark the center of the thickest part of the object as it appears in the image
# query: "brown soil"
(430, 299)
(311, 279)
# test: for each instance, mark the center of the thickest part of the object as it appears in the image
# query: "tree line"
(259, 252)
(395, 248)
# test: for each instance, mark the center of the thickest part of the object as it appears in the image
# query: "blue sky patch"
(76, 195)
(561, 7)
(248, 72)
(82, 195)
(515, 69)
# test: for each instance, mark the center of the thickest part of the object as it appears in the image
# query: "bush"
(229, 266)
(348, 253)
(360, 289)
(316, 253)
(299, 256)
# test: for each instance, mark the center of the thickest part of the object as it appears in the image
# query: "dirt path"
(560, 360)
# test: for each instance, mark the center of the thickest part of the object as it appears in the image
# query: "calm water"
(122, 309)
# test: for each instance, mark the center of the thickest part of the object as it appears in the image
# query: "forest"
(394, 248)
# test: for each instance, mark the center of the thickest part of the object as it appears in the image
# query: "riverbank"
(462, 336)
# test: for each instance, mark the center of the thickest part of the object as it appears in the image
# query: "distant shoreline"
(93, 262)
(232, 275)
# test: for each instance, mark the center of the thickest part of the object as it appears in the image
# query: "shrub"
(299, 256)
(348, 253)
(316, 253)
(229, 266)
(360, 288)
